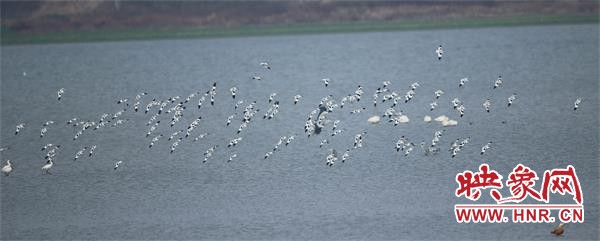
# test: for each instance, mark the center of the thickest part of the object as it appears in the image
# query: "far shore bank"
(13, 38)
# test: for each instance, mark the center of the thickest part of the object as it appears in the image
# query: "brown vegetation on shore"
(53, 16)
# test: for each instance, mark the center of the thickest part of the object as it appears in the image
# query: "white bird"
(60, 93)
(46, 168)
(268, 154)
(577, 102)
(117, 164)
(498, 82)
(439, 51)
(463, 81)
(7, 168)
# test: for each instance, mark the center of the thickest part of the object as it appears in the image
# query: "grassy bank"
(13, 38)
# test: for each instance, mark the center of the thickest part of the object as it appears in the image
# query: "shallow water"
(377, 194)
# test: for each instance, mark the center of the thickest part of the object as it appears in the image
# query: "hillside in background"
(59, 16)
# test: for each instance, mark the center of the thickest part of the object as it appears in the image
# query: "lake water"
(377, 194)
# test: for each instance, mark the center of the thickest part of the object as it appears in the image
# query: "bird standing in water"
(558, 230)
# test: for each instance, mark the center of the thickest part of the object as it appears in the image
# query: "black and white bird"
(331, 158)
(209, 153)
(175, 144)
(414, 85)
(455, 103)
(43, 132)
(463, 81)
(438, 93)
(486, 147)
(357, 111)
(297, 98)
(117, 164)
(234, 142)
(229, 119)
(265, 65)
(232, 157)
(432, 105)
(256, 77)
(576, 104)
(498, 82)
(400, 144)
(272, 97)
(346, 155)
(461, 110)
(154, 140)
(79, 153)
(512, 98)
(92, 149)
(213, 92)
(60, 93)
(233, 91)
(323, 142)
(19, 128)
(289, 140)
(487, 105)
(439, 51)
(326, 81)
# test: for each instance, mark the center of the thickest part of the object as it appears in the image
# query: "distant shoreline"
(12, 38)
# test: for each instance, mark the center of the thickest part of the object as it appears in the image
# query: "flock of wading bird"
(316, 122)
